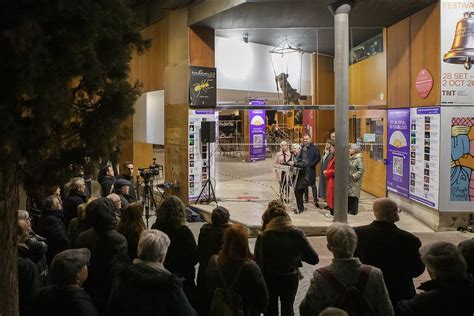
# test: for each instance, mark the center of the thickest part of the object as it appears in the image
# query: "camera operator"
(127, 174)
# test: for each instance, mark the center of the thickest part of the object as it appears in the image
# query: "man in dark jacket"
(75, 197)
(394, 251)
(300, 161)
(147, 287)
(122, 189)
(65, 296)
(51, 227)
(109, 249)
(127, 174)
(106, 179)
(313, 156)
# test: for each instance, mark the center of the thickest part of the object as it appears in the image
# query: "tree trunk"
(9, 200)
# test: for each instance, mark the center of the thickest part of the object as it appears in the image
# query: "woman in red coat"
(329, 173)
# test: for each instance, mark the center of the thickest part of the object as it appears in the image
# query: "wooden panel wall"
(425, 47)
(324, 79)
(398, 64)
(201, 46)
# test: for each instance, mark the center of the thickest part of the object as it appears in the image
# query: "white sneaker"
(328, 215)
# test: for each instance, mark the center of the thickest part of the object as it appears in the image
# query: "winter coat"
(322, 177)
(142, 289)
(51, 227)
(313, 156)
(70, 204)
(109, 250)
(301, 162)
(182, 254)
(106, 183)
(71, 301)
(76, 227)
(28, 284)
(321, 294)
(132, 192)
(395, 252)
(356, 170)
(37, 254)
(282, 158)
(329, 173)
(441, 298)
(250, 284)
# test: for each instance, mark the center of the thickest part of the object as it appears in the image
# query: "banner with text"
(257, 134)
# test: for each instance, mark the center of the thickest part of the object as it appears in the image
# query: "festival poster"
(457, 56)
(425, 125)
(257, 134)
(198, 153)
(398, 152)
(462, 159)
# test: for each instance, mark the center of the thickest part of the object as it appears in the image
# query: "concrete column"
(341, 11)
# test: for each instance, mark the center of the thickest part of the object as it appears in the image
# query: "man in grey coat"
(342, 242)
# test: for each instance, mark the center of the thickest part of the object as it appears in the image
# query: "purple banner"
(257, 134)
(398, 153)
(427, 111)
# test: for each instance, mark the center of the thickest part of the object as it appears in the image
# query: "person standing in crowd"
(234, 265)
(51, 227)
(78, 224)
(182, 254)
(109, 249)
(279, 250)
(106, 179)
(329, 173)
(122, 189)
(394, 251)
(324, 162)
(299, 161)
(467, 249)
(356, 171)
(76, 195)
(127, 174)
(282, 158)
(209, 244)
(66, 296)
(449, 292)
(115, 198)
(313, 157)
(146, 287)
(345, 272)
(131, 226)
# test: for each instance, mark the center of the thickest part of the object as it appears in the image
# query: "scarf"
(280, 223)
(158, 266)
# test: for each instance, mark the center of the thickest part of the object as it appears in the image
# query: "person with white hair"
(75, 197)
(393, 250)
(300, 161)
(356, 171)
(450, 291)
(282, 158)
(346, 281)
(146, 287)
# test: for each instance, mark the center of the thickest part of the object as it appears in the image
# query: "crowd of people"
(306, 157)
(94, 256)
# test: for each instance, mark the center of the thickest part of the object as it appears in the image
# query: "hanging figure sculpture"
(289, 94)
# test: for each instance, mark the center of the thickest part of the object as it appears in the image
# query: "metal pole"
(341, 11)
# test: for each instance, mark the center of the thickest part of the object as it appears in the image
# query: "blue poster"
(257, 134)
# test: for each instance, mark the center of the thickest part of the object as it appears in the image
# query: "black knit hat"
(220, 216)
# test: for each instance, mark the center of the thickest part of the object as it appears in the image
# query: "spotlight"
(246, 38)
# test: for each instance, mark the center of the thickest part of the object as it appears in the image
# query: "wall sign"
(424, 83)
(257, 134)
(398, 152)
(457, 56)
(202, 87)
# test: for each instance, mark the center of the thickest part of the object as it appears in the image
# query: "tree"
(63, 97)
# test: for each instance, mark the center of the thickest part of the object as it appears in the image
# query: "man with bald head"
(394, 251)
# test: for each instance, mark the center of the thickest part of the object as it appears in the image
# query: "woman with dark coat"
(182, 254)
(324, 162)
(131, 226)
(209, 244)
(51, 227)
(235, 265)
(279, 250)
(75, 197)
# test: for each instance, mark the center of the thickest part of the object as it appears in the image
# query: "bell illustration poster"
(457, 52)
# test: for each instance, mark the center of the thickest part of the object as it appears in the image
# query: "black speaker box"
(208, 132)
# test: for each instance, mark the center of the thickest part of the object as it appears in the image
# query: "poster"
(202, 87)
(398, 151)
(257, 134)
(462, 159)
(425, 127)
(199, 155)
(457, 80)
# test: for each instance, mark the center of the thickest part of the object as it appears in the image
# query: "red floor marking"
(247, 197)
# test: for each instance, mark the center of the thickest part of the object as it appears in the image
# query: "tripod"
(148, 200)
(211, 193)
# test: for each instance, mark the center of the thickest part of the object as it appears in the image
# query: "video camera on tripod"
(153, 170)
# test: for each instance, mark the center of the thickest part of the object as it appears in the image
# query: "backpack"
(350, 298)
(225, 301)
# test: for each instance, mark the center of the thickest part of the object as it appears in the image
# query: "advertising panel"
(257, 134)
(199, 155)
(202, 87)
(425, 127)
(457, 52)
(398, 151)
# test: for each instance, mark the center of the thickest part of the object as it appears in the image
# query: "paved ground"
(319, 243)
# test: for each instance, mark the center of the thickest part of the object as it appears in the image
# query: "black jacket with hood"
(109, 249)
